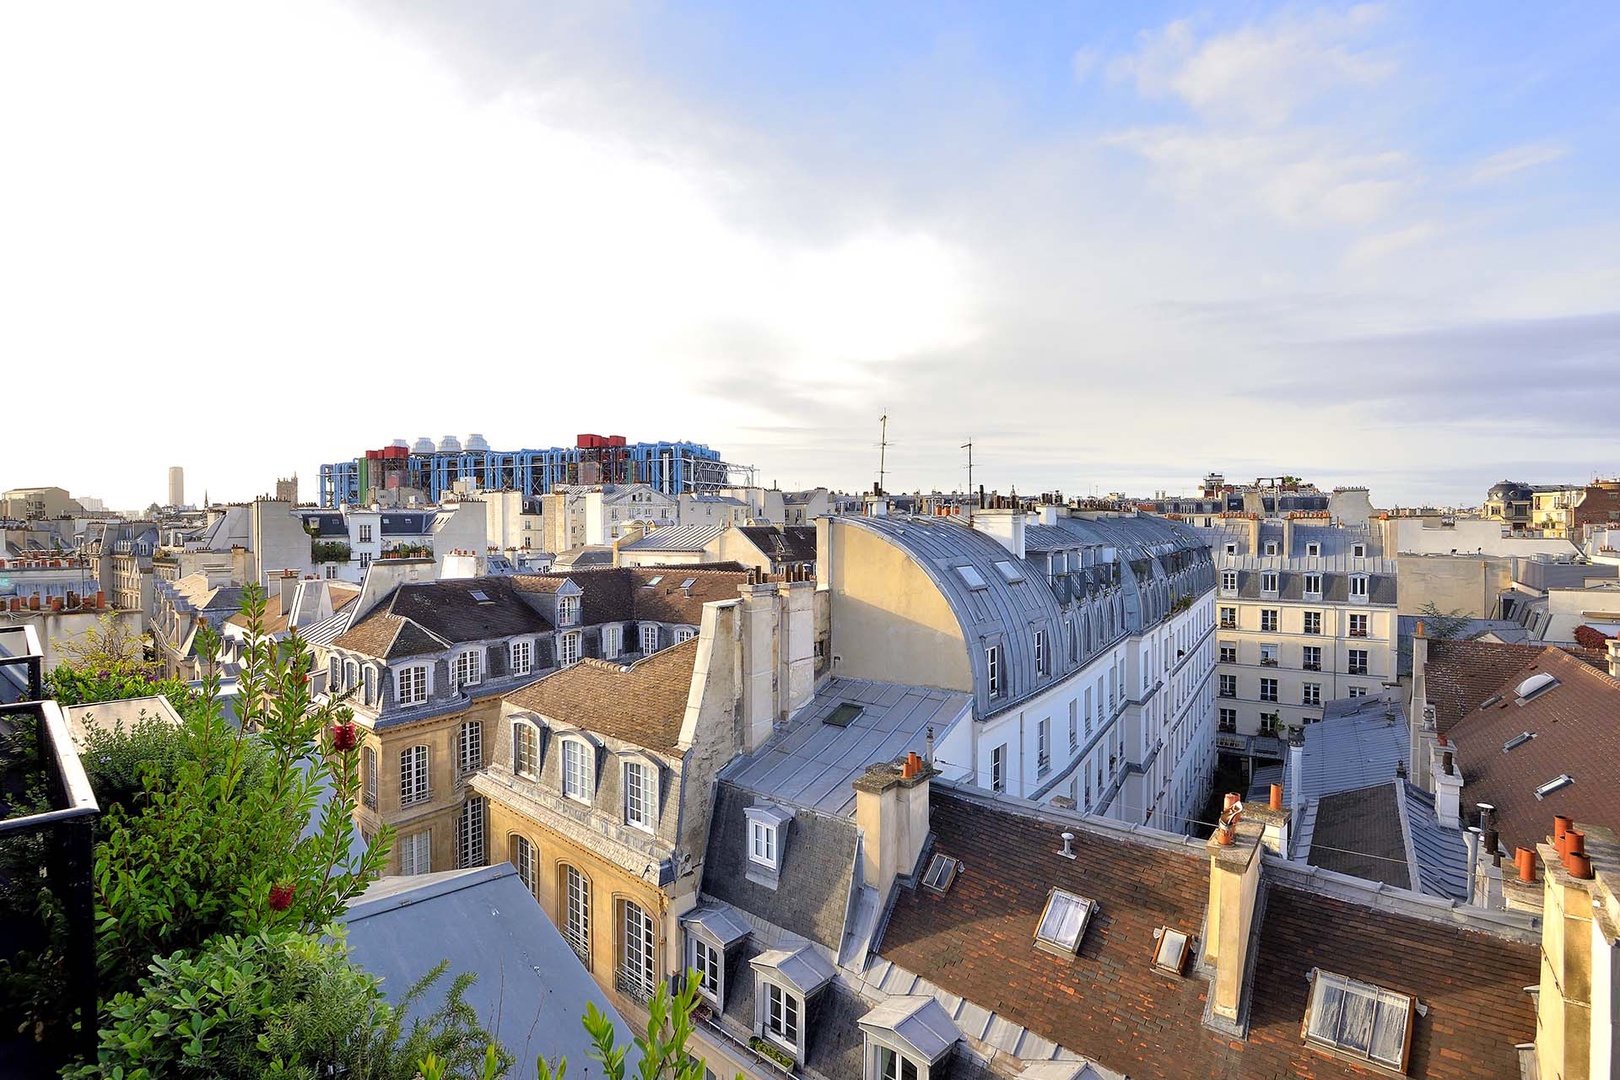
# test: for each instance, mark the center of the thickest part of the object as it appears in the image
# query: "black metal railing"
(68, 822)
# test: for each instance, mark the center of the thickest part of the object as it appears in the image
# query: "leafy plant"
(1442, 625)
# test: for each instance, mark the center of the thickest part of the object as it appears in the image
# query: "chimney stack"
(891, 811)
(1234, 884)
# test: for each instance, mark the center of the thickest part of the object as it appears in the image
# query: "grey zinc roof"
(530, 987)
(801, 967)
(1441, 855)
(1358, 742)
(919, 1022)
(676, 538)
(814, 763)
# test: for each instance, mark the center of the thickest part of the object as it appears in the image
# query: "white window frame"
(889, 1063)
(416, 853)
(1043, 746)
(784, 1016)
(368, 776)
(568, 610)
(1305, 657)
(368, 684)
(570, 648)
(1270, 690)
(1328, 1027)
(612, 642)
(469, 746)
(525, 748)
(578, 769)
(640, 796)
(648, 633)
(1229, 581)
(1358, 661)
(992, 670)
(576, 909)
(1269, 581)
(709, 961)
(520, 852)
(468, 668)
(415, 775)
(472, 827)
(764, 845)
(998, 768)
(413, 684)
(1040, 653)
(520, 657)
(638, 949)
(1358, 586)
(1313, 584)
(1063, 922)
(1310, 693)
(684, 633)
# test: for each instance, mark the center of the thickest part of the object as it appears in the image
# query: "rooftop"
(642, 703)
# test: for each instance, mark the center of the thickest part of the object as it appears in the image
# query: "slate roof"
(1575, 730)
(643, 703)
(1359, 833)
(817, 868)
(814, 763)
(975, 941)
(446, 612)
(783, 543)
(626, 593)
(530, 987)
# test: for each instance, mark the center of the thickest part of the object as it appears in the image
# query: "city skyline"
(1117, 249)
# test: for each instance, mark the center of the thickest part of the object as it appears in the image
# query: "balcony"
(633, 985)
(1358, 633)
(1227, 693)
(67, 822)
(1310, 665)
(1357, 669)
(1268, 661)
(1229, 624)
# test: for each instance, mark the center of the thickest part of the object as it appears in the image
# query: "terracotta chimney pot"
(1580, 867)
(1276, 796)
(1525, 859)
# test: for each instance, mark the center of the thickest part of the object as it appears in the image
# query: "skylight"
(1172, 952)
(1563, 780)
(481, 596)
(844, 714)
(1010, 571)
(654, 580)
(1518, 740)
(1535, 684)
(1063, 923)
(689, 582)
(971, 576)
(941, 872)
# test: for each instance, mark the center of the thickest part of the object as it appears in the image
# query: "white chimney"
(1448, 784)
(1614, 657)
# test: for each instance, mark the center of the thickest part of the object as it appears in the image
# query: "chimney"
(1254, 534)
(1006, 525)
(1614, 657)
(288, 586)
(891, 812)
(1288, 536)
(1420, 713)
(1296, 773)
(796, 645)
(1580, 961)
(1234, 885)
(1448, 785)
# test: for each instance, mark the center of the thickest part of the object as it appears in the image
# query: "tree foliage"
(1442, 625)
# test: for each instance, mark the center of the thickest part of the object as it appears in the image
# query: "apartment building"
(1086, 642)
(597, 515)
(1306, 613)
(345, 541)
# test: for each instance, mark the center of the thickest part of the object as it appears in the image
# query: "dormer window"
(766, 839)
(649, 638)
(1271, 547)
(1040, 652)
(1358, 551)
(1063, 923)
(787, 980)
(1313, 584)
(640, 795)
(522, 657)
(992, 670)
(1231, 549)
(1360, 1020)
(411, 685)
(907, 1037)
(710, 933)
(1313, 550)
(469, 668)
(1358, 586)
(1229, 581)
(577, 771)
(762, 843)
(567, 610)
(1268, 582)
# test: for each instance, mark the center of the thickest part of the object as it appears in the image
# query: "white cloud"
(1084, 62)
(1515, 160)
(1371, 249)
(1261, 73)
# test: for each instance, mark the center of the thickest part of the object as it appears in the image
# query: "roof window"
(654, 580)
(844, 714)
(689, 582)
(971, 577)
(1534, 685)
(1010, 571)
(481, 596)
(1360, 1019)
(1063, 923)
(1518, 741)
(1173, 952)
(941, 873)
(1562, 780)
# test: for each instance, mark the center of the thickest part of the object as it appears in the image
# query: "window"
(894, 1066)
(1360, 1019)
(469, 668)
(569, 648)
(612, 641)
(762, 842)
(1173, 952)
(649, 638)
(1268, 582)
(1313, 585)
(470, 746)
(706, 960)
(1063, 923)
(1271, 547)
(638, 795)
(1228, 618)
(1228, 687)
(576, 899)
(1311, 694)
(1074, 727)
(684, 633)
(1040, 652)
(1229, 652)
(1358, 626)
(638, 960)
(1358, 586)
(1312, 656)
(1358, 551)
(1228, 720)
(1268, 620)
(1043, 746)
(365, 559)
(522, 857)
(782, 1010)
(331, 571)
(1229, 581)
(470, 834)
(1357, 662)
(1231, 549)
(567, 610)
(1312, 622)
(971, 577)
(413, 775)
(1268, 724)
(368, 775)
(992, 667)
(333, 676)
(525, 749)
(1268, 655)
(1356, 691)
(351, 676)
(365, 534)
(1009, 571)
(576, 765)
(522, 657)
(1313, 549)
(411, 685)
(1268, 689)
(369, 691)
(998, 768)
(416, 853)
(941, 872)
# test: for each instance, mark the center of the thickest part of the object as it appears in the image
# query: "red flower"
(281, 897)
(343, 737)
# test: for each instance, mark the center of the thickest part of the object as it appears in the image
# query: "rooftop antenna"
(968, 446)
(883, 450)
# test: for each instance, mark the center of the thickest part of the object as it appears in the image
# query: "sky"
(1115, 246)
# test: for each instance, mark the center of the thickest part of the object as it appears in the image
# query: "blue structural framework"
(670, 467)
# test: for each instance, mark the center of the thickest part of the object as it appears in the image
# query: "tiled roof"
(975, 941)
(643, 703)
(1575, 733)
(1458, 675)
(389, 637)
